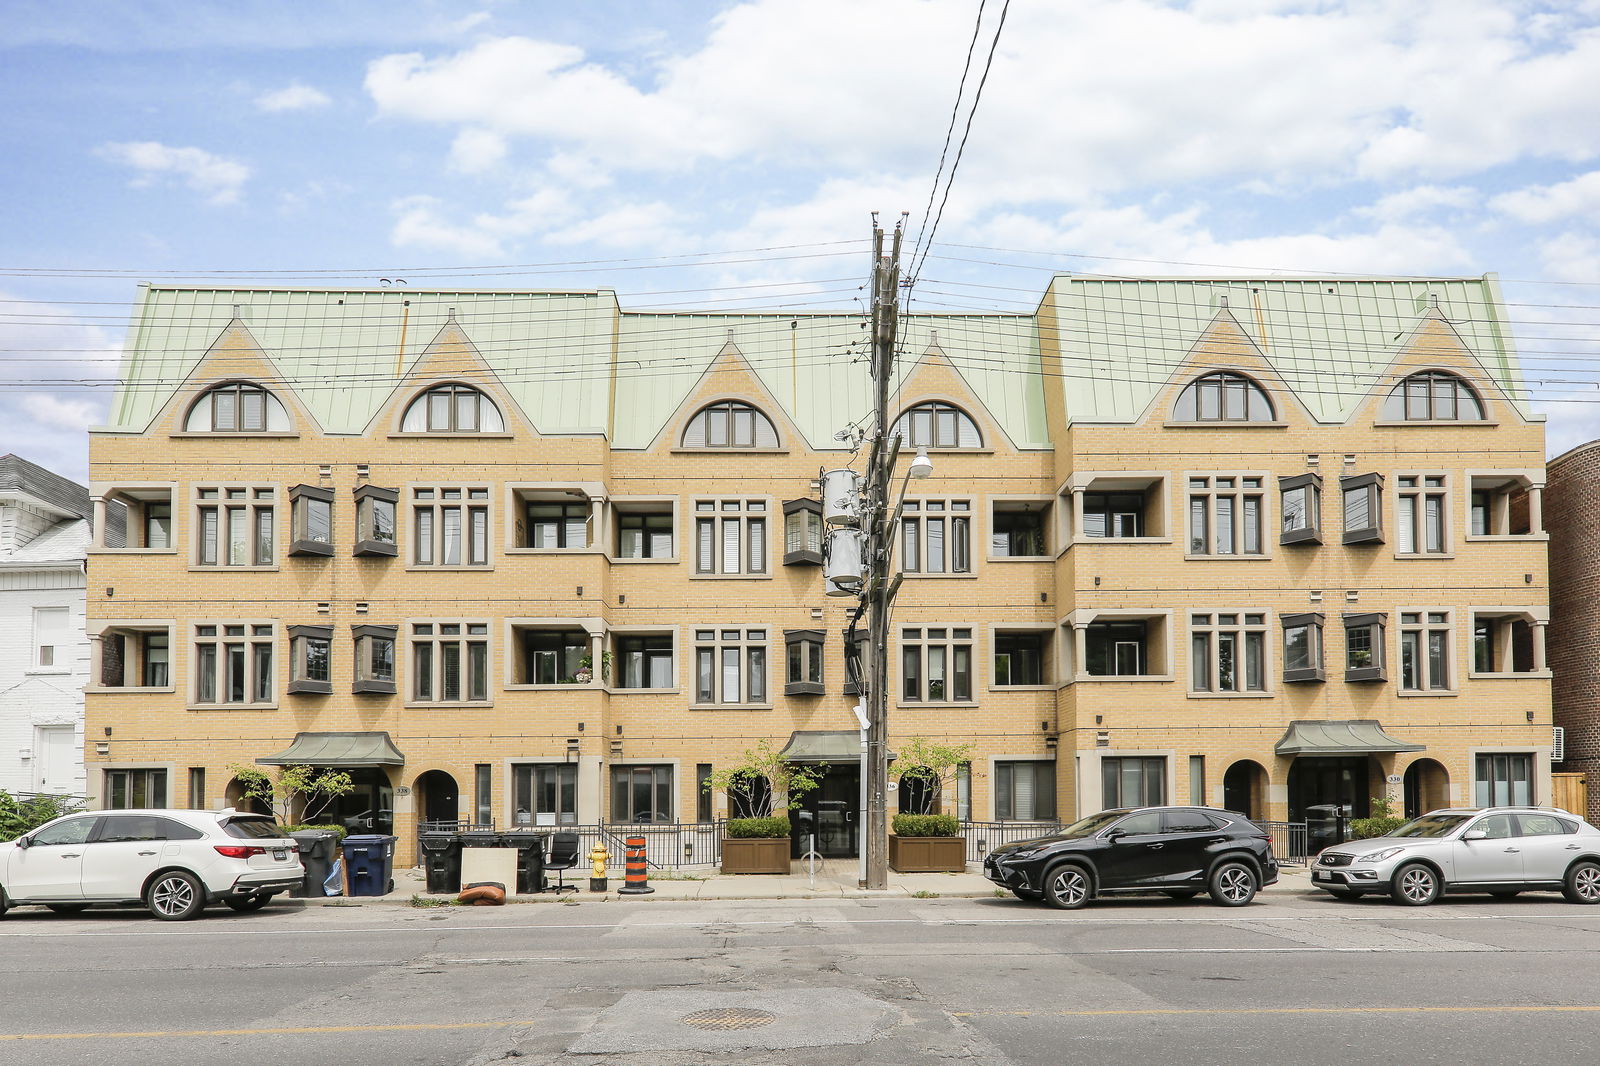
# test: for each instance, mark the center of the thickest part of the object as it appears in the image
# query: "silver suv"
(1499, 850)
(174, 862)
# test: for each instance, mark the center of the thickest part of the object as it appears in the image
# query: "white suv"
(174, 862)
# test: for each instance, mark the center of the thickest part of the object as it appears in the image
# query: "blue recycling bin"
(367, 861)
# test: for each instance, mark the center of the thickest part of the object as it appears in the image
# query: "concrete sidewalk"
(835, 879)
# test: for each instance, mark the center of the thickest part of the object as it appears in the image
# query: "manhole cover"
(725, 1018)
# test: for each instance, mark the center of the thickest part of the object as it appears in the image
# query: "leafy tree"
(764, 782)
(931, 767)
(20, 816)
(299, 789)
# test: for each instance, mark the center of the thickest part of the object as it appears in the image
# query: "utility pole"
(879, 586)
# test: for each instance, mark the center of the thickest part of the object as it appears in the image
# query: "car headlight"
(1379, 856)
(1026, 853)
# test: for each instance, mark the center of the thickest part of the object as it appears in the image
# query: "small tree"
(762, 776)
(930, 767)
(1383, 820)
(22, 816)
(295, 788)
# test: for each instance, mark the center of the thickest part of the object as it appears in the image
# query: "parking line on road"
(1139, 1012)
(308, 1030)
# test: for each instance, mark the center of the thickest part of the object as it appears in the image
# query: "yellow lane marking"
(1145, 1012)
(309, 1030)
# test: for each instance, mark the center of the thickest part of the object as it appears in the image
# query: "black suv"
(1174, 850)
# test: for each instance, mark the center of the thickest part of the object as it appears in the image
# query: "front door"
(56, 760)
(829, 813)
(1325, 791)
(1495, 857)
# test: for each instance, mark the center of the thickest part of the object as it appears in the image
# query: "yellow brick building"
(530, 558)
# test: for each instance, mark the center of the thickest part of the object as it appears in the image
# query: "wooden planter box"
(927, 855)
(755, 855)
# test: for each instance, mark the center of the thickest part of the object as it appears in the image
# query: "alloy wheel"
(1416, 885)
(174, 897)
(1068, 888)
(1584, 883)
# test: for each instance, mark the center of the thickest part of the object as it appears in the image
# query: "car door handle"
(1155, 847)
(147, 853)
(1573, 847)
(72, 854)
(1512, 851)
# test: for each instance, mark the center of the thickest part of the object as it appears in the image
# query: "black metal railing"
(667, 845)
(984, 837)
(1290, 842)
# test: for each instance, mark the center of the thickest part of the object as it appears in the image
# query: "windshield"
(1432, 825)
(1088, 827)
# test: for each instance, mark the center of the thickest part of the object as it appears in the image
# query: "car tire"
(1068, 887)
(1232, 884)
(1583, 883)
(67, 908)
(1181, 893)
(1027, 894)
(5, 904)
(1415, 885)
(175, 896)
(249, 904)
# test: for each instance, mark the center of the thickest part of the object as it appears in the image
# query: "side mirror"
(1474, 834)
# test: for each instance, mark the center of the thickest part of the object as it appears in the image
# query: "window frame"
(154, 775)
(1223, 381)
(134, 510)
(1243, 489)
(1430, 622)
(906, 425)
(1045, 657)
(1112, 795)
(476, 522)
(370, 500)
(1210, 635)
(955, 643)
(60, 652)
(808, 643)
(663, 784)
(1038, 508)
(646, 637)
(807, 515)
(365, 638)
(454, 389)
(645, 509)
(1316, 665)
(211, 550)
(1401, 396)
(955, 515)
(751, 664)
(1485, 788)
(302, 643)
(1005, 790)
(258, 692)
(1420, 493)
(1376, 623)
(697, 431)
(1310, 532)
(275, 420)
(745, 514)
(304, 502)
(1372, 486)
(527, 782)
(431, 673)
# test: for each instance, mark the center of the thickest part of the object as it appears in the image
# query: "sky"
(730, 155)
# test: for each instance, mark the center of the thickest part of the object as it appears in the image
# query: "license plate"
(280, 854)
(1319, 876)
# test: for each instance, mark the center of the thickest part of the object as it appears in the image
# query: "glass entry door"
(830, 812)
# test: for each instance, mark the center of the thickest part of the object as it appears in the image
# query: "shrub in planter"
(1364, 828)
(925, 825)
(338, 829)
(744, 828)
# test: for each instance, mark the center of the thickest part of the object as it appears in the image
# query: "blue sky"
(489, 144)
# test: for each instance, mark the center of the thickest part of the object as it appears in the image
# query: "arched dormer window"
(452, 409)
(237, 407)
(1433, 396)
(1223, 397)
(937, 425)
(730, 424)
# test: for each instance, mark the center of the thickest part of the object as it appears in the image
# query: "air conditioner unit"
(1558, 743)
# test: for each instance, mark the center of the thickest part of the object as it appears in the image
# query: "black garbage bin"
(530, 860)
(316, 855)
(441, 856)
(367, 858)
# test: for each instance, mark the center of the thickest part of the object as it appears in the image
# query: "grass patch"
(432, 901)
(923, 893)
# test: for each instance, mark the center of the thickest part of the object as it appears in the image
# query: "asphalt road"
(641, 981)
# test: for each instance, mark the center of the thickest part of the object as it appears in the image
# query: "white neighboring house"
(44, 654)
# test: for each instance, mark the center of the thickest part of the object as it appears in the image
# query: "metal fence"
(65, 803)
(667, 846)
(1290, 841)
(984, 837)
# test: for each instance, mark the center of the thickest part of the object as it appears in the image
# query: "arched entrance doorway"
(1244, 789)
(236, 798)
(1427, 787)
(437, 797)
(1326, 792)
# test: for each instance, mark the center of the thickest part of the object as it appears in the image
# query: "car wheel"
(1027, 894)
(1181, 893)
(1067, 887)
(247, 904)
(1583, 883)
(5, 904)
(1414, 885)
(175, 896)
(1233, 884)
(67, 908)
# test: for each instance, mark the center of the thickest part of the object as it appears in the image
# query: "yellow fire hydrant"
(597, 858)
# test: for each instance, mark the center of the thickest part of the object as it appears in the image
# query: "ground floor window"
(641, 794)
(133, 789)
(1503, 780)
(1025, 791)
(545, 795)
(1135, 782)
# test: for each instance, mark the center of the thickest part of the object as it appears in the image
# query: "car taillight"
(239, 851)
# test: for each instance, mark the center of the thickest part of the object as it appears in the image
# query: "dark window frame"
(302, 666)
(1311, 531)
(1312, 622)
(1372, 486)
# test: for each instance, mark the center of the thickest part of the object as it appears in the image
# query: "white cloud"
(218, 178)
(1408, 204)
(67, 414)
(420, 224)
(475, 151)
(1543, 204)
(653, 225)
(295, 97)
(1572, 257)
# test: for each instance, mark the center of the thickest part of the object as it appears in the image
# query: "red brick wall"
(1572, 517)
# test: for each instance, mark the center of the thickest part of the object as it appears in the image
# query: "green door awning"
(823, 745)
(1352, 736)
(339, 751)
